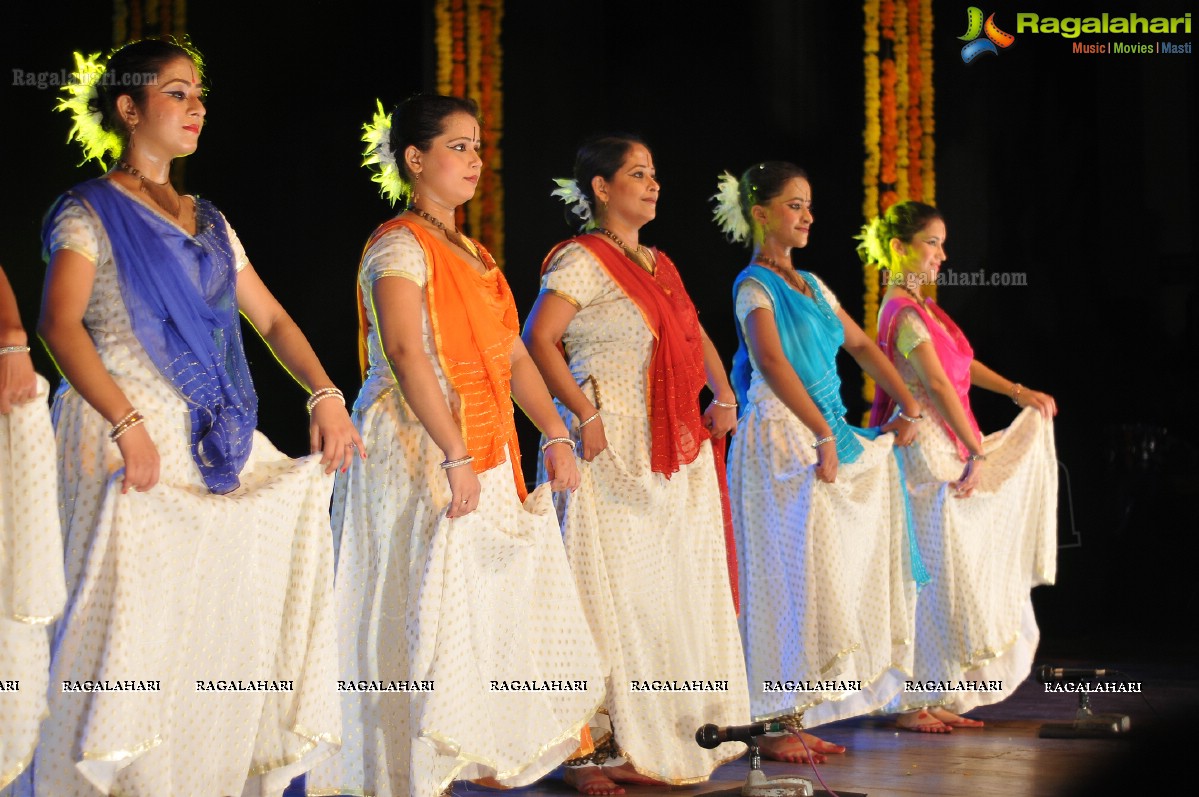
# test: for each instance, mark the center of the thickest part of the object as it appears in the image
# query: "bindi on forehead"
(182, 70)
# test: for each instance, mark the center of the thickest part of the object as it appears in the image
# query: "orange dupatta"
(474, 323)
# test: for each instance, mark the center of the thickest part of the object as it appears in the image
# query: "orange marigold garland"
(899, 123)
(902, 88)
(443, 40)
(469, 64)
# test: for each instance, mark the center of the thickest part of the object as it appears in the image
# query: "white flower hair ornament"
(379, 158)
(568, 191)
(727, 213)
(82, 101)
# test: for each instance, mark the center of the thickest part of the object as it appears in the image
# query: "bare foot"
(922, 722)
(790, 749)
(590, 780)
(818, 745)
(954, 720)
(624, 773)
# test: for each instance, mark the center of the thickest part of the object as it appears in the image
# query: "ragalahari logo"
(995, 38)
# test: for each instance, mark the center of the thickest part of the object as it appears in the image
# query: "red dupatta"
(953, 350)
(676, 368)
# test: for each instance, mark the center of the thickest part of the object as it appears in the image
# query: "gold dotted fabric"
(177, 586)
(32, 590)
(826, 584)
(451, 604)
(647, 552)
(974, 620)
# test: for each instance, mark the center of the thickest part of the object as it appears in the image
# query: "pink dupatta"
(952, 348)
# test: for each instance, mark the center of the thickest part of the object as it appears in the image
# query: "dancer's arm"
(69, 280)
(396, 307)
(532, 396)
(872, 360)
(544, 328)
(984, 377)
(719, 420)
(18, 383)
(928, 369)
(762, 337)
(330, 430)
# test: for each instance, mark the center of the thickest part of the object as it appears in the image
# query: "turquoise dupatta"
(811, 335)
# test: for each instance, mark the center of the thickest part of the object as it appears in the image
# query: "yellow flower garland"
(907, 94)
(469, 64)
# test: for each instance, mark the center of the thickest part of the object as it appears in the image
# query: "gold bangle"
(1017, 389)
(725, 404)
(456, 463)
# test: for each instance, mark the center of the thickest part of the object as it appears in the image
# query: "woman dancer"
(827, 567)
(31, 582)
(196, 652)
(975, 620)
(622, 350)
(448, 586)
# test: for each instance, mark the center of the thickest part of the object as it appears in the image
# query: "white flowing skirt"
(648, 555)
(827, 591)
(197, 653)
(465, 652)
(32, 590)
(975, 629)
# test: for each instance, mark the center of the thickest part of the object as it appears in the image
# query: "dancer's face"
(449, 170)
(632, 193)
(168, 123)
(924, 254)
(787, 219)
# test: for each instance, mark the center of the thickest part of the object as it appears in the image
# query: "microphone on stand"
(712, 736)
(1057, 675)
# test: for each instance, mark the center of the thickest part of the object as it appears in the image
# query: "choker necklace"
(642, 256)
(788, 274)
(126, 167)
(144, 182)
(455, 237)
(920, 300)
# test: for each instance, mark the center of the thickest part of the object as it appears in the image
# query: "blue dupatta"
(811, 334)
(181, 295)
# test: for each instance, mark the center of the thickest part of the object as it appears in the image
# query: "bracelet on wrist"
(134, 418)
(977, 458)
(457, 463)
(555, 440)
(589, 420)
(14, 349)
(832, 438)
(320, 395)
(724, 404)
(1017, 389)
(911, 418)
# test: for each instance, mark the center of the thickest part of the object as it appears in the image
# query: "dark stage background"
(1078, 170)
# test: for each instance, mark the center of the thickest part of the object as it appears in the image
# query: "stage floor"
(1003, 759)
